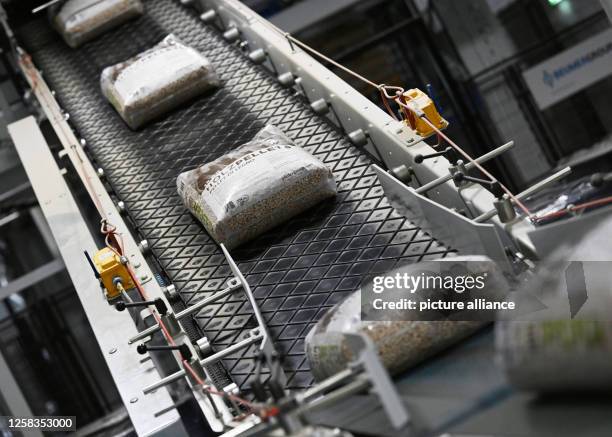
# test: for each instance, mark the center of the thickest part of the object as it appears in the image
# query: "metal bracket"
(257, 334)
(452, 228)
(232, 284)
(368, 359)
(253, 337)
(267, 347)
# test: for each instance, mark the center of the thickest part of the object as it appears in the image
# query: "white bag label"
(255, 187)
(157, 69)
(248, 179)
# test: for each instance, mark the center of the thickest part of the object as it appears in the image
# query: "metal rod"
(331, 398)
(247, 290)
(528, 192)
(45, 6)
(233, 285)
(183, 348)
(418, 159)
(206, 361)
(260, 320)
(159, 303)
(481, 159)
(266, 347)
(92, 265)
(231, 349)
(164, 381)
(326, 384)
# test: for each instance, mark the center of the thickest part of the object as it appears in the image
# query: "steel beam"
(31, 278)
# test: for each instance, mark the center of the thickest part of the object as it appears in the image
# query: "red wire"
(211, 390)
(387, 106)
(186, 364)
(469, 158)
(562, 212)
(399, 93)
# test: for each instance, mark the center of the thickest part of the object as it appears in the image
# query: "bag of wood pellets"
(400, 344)
(556, 355)
(255, 187)
(566, 345)
(79, 21)
(157, 81)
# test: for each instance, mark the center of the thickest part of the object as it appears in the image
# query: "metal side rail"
(74, 150)
(259, 334)
(72, 236)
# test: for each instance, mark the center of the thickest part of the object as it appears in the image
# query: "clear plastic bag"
(255, 187)
(400, 344)
(157, 81)
(566, 345)
(79, 21)
(556, 355)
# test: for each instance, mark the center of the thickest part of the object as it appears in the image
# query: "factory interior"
(306, 218)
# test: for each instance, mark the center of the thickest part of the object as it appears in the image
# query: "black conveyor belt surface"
(296, 271)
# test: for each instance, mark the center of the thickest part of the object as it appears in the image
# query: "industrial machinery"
(229, 328)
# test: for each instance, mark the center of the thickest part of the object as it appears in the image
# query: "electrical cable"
(325, 58)
(477, 165)
(575, 208)
(397, 97)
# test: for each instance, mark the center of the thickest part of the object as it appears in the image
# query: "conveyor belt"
(296, 271)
